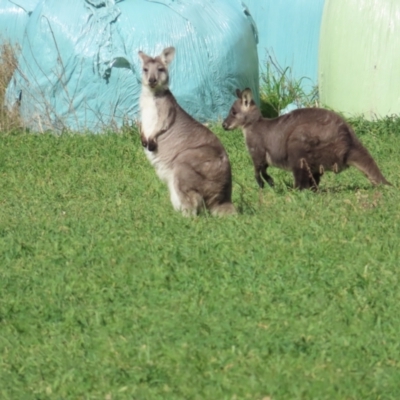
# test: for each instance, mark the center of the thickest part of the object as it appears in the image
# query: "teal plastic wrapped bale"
(359, 69)
(79, 68)
(288, 34)
(14, 15)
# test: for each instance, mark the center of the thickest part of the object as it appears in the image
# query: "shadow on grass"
(285, 186)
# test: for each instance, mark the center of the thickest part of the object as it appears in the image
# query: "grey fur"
(307, 142)
(186, 154)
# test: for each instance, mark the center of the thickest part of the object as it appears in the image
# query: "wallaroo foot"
(223, 209)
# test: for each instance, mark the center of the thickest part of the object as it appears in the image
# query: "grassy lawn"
(107, 293)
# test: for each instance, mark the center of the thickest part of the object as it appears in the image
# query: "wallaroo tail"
(360, 158)
(307, 142)
(187, 156)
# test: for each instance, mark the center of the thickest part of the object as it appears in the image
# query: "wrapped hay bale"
(14, 15)
(360, 57)
(79, 68)
(288, 34)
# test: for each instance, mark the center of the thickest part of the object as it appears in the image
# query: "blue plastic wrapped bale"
(288, 32)
(14, 16)
(79, 68)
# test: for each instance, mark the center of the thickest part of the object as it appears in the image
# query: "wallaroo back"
(307, 142)
(186, 154)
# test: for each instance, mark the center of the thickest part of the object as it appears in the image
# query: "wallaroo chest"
(148, 112)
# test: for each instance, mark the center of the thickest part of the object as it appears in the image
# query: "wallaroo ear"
(168, 55)
(247, 97)
(238, 93)
(144, 57)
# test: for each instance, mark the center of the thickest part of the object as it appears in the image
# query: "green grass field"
(107, 293)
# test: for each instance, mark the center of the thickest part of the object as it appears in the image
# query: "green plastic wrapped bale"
(359, 60)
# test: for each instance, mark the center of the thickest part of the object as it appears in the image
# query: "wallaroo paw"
(152, 145)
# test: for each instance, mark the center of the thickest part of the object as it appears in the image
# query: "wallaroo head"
(244, 111)
(155, 70)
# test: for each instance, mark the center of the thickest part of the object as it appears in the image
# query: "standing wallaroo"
(186, 154)
(307, 142)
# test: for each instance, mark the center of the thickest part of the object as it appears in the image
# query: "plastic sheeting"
(14, 16)
(288, 31)
(359, 69)
(79, 67)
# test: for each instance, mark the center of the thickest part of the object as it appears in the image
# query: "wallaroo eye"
(161, 69)
(234, 112)
(145, 69)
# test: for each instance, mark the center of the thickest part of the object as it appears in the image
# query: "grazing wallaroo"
(307, 142)
(187, 156)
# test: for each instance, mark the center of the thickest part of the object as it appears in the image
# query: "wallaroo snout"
(307, 142)
(186, 154)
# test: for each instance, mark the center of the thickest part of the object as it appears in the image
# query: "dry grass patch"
(9, 119)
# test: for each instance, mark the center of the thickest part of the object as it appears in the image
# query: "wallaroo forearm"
(267, 178)
(257, 175)
(260, 173)
(165, 121)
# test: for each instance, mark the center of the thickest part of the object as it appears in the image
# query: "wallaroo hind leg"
(304, 178)
(301, 178)
(314, 180)
(189, 202)
(360, 158)
(197, 193)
